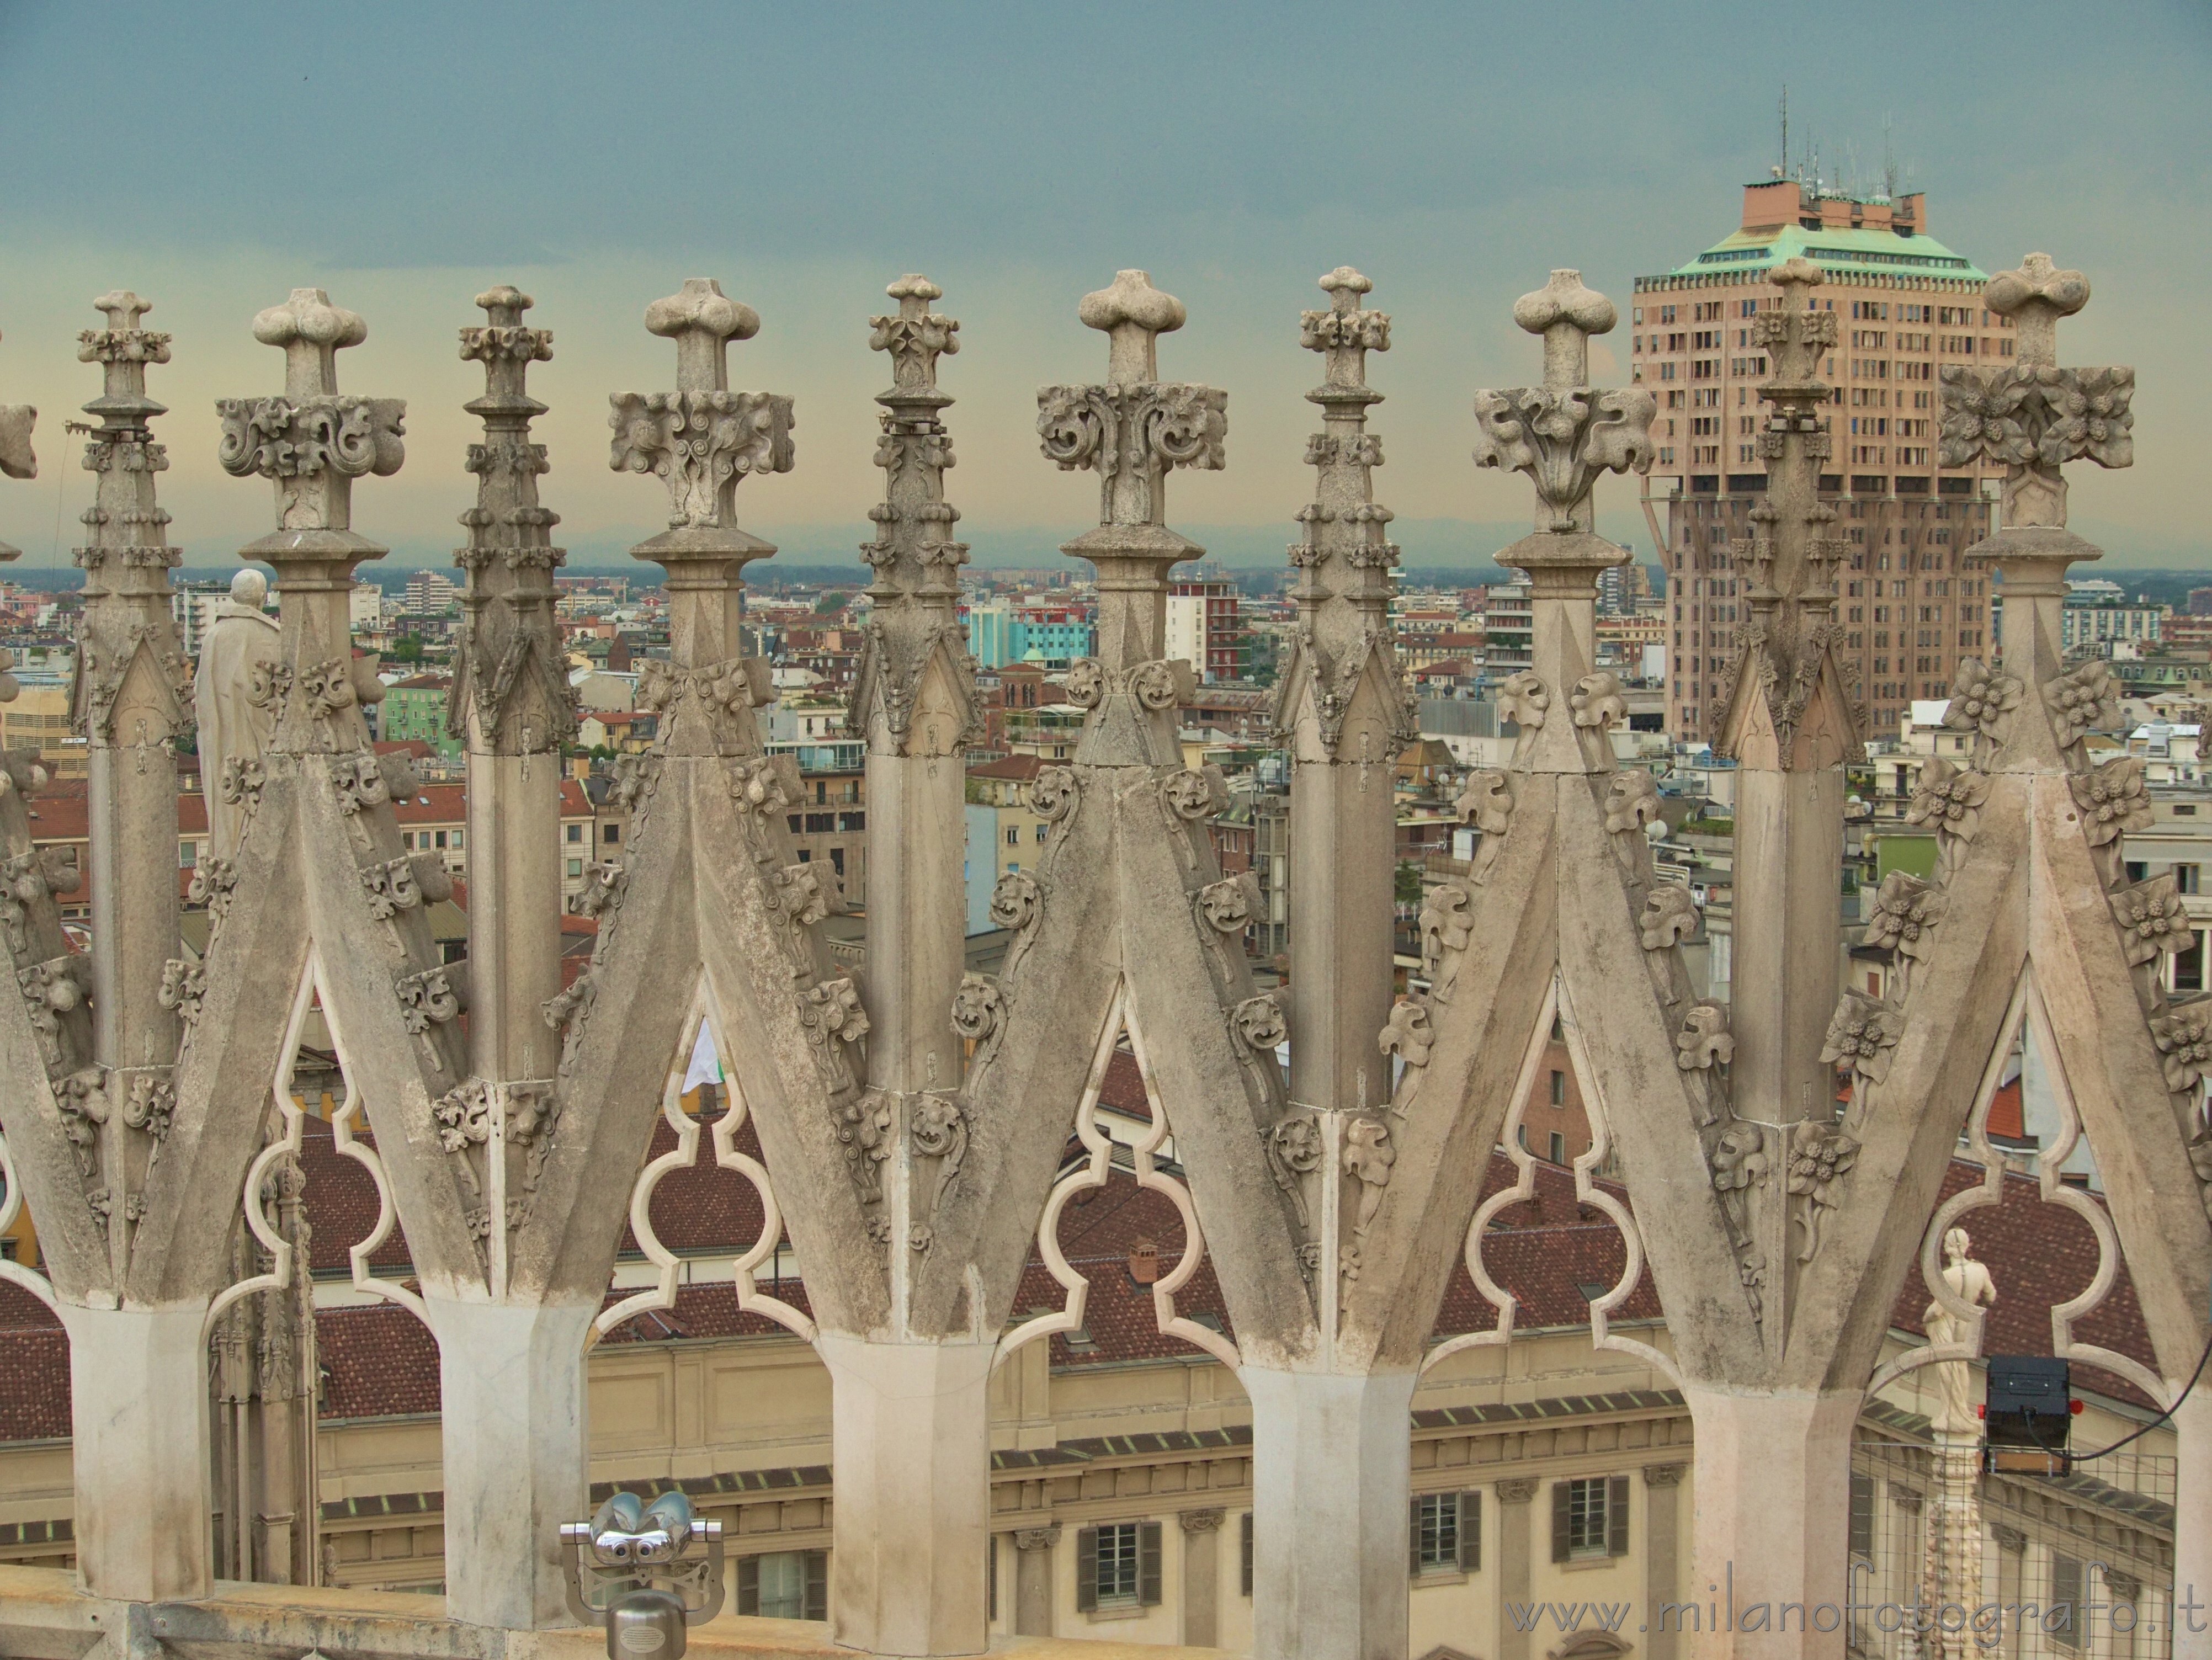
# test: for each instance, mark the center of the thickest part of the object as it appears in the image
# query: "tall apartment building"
(1204, 628)
(1910, 601)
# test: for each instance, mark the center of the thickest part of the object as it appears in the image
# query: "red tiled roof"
(382, 1362)
(1022, 767)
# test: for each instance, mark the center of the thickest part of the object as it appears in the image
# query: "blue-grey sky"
(405, 157)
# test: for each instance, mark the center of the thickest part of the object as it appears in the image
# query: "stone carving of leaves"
(1368, 1155)
(2026, 415)
(426, 998)
(1668, 917)
(1015, 899)
(1447, 923)
(1409, 1035)
(2113, 799)
(1906, 912)
(1818, 1153)
(1052, 792)
(1631, 801)
(1981, 697)
(700, 444)
(2081, 701)
(603, 888)
(1862, 1033)
(979, 1007)
(1705, 1041)
(149, 1104)
(1259, 1023)
(1229, 903)
(1085, 682)
(1364, 330)
(1950, 798)
(1077, 425)
(1597, 701)
(940, 1131)
(1192, 795)
(1180, 425)
(1524, 699)
(2151, 919)
(1564, 440)
(241, 782)
(464, 1116)
(2183, 1036)
(1486, 802)
(1155, 684)
(183, 985)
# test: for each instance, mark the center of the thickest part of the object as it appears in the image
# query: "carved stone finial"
(703, 438)
(1344, 562)
(1133, 430)
(124, 308)
(1566, 314)
(1134, 315)
(311, 331)
(914, 335)
(2034, 416)
(1562, 433)
(510, 690)
(703, 321)
(311, 443)
(2036, 295)
(915, 691)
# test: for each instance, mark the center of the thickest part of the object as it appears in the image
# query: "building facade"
(1204, 628)
(1910, 604)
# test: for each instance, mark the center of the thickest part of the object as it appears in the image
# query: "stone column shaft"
(911, 1415)
(1772, 1519)
(514, 1410)
(1332, 1484)
(911, 1430)
(140, 1427)
(2192, 1528)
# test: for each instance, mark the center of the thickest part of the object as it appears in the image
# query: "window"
(1447, 1533)
(575, 832)
(439, 839)
(2058, 1619)
(1559, 1148)
(1013, 835)
(1244, 1546)
(788, 1584)
(2184, 878)
(611, 833)
(1118, 1565)
(1589, 1519)
(1559, 1089)
(187, 854)
(576, 867)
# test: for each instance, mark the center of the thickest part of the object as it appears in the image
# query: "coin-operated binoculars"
(644, 1572)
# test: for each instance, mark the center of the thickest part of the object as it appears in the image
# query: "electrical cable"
(2080, 1458)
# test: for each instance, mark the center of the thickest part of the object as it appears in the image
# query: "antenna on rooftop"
(1888, 159)
(1784, 169)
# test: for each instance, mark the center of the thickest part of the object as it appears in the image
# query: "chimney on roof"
(1145, 1262)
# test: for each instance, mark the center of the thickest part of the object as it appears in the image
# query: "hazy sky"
(405, 156)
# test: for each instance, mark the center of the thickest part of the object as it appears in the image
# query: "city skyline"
(404, 160)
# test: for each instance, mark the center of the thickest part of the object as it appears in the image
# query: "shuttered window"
(1117, 1566)
(2061, 1619)
(1590, 1517)
(1445, 1534)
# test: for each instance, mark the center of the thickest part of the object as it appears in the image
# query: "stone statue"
(1971, 1282)
(233, 728)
